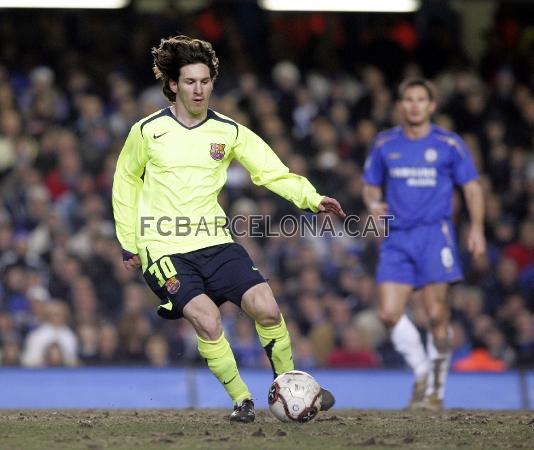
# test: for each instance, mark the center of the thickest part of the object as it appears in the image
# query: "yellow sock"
(277, 344)
(221, 362)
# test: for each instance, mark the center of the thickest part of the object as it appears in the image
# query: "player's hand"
(476, 242)
(378, 208)
(331, 205)
(130, 260)
(133, 263)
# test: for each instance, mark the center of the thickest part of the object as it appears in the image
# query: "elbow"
(371, 193)
(473, 190)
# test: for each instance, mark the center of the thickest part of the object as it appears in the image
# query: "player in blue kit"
(410, 174)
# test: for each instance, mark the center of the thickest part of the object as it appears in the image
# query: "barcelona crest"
(217, 151)
(172, 285)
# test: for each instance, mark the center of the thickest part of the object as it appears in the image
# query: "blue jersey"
(418, 175)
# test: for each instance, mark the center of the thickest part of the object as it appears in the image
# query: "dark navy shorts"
(419, 256)
(222, 272)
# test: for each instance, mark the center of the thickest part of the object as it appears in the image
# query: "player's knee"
(389, 317)
(443, 344)
(269, 316)
(438, 320)
(260, 303)
(213, 330)
(208, 328)
(266, 311)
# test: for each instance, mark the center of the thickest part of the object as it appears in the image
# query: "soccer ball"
(295, 397)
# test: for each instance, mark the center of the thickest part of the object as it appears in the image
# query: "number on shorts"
(162, 270)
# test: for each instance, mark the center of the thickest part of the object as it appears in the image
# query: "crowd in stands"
(69, 97)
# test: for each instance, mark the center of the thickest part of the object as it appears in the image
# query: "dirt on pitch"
(210, 429)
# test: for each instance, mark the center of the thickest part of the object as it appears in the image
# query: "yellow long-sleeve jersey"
(168, 177)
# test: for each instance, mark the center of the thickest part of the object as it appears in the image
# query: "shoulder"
(224, 120)
(449, 138)
(141, 124)
(215, 115)
(440, 132)
(386, 136)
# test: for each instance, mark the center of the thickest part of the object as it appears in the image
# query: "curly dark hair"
(175, 52)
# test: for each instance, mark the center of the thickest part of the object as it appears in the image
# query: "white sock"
(439, 367)
(407, 341)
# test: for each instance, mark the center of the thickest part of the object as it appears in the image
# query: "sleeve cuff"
(126, 255)
(314, 202)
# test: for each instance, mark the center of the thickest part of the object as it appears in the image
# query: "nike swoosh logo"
(156, 136)
(226, 382)
(254, 268)
(167, 306)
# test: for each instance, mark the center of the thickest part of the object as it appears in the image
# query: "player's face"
(416, 106)
(193, 89)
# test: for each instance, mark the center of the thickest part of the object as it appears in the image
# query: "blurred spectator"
(245, 344)
(522, 251)
(498, 348)
(53, 331)
(502, 282)
(87, 334)
(43, 102)
(108, 345)
(353, 352)
(53, 356)
(303, 353)
(314, 325)
(134, 330)
(10, 353)
(157, 351)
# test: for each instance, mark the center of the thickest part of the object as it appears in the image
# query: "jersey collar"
(169, 113)
(422, 138)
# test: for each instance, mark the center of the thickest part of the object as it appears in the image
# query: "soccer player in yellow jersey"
(168, 221)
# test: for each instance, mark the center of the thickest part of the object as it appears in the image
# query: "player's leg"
(228, 272)
(205, 317)
(396, 277)
(437, 268)
(180, 287)
(259, 303)
(439, 342)
(392, 299)
(231, 275)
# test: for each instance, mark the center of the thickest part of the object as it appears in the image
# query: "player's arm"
(465, 175)
(267, 170)
(372, 197)
(127, 185)
(374, 175)
(474, 198)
